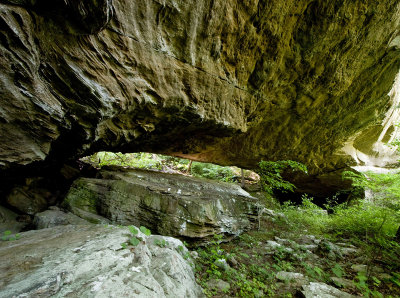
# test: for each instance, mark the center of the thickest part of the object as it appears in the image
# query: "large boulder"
(169, 204)
(89, 261)
(230, 82)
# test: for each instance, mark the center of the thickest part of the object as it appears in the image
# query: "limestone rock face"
(88, 261)
(168, 204)
(230, 82)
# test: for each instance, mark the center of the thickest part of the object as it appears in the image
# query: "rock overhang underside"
(230, 82)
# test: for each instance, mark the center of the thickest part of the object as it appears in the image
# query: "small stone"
(348, 251)
(232, 261)
(55, 208)
(342, 282)
(282, 241)
(287, 276)
(272, 244)
(383, 276)
(222, 264)
(309, 247)
(321, 290)
(359, 268)
(194, 254)
(219, 285)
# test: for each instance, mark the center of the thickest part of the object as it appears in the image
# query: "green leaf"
(124, 245)
(133, 230)
(145, 231)
(338, 270)
(6, 233)
(134, 241)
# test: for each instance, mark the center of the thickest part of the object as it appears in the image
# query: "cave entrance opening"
(174, 165)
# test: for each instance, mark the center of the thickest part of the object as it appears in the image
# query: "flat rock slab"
(89, 261)
(321, 290)
(168, 204)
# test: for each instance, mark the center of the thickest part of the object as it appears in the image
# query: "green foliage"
(385, 187)
(134, 160)
(271, 174)
(362, 284)
(161, 242)
(338, 271)
(7, 236)
(134, 241)
(212, 171)
(364, 220)
(307, 215)
(133, 230)
(145, 231)
(247, 280)
(315, 272)
(377, 219)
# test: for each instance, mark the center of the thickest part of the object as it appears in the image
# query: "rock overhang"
(224, 82)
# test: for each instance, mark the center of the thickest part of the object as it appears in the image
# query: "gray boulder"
(321, 290)
(89, 261)
(168, 204)
(52, 218)
(218, 284)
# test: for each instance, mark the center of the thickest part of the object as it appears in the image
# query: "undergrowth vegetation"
(160, 162)
(366, 228)
(249, 266)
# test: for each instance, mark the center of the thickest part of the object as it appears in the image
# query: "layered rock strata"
(168, 204)
(230, 82)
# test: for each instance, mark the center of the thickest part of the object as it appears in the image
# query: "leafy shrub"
(211, 171)
(135, 160)
(271, 174)
(363, 219)
(307, 215)
(8, 236)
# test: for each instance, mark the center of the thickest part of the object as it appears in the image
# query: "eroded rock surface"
(319, 289)
(55, 217)
(168, 204)
(230, 82)
(88, 261)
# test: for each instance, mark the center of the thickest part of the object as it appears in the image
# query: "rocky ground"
(88, 244)
(95, 261)
(278, 260)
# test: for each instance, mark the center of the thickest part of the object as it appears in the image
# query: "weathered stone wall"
(230, 82)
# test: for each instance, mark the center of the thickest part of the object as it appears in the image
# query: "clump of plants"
(245, 279)
(9, 236)
(133, 160)
(271, 174)
(135, 240)
(212, 171)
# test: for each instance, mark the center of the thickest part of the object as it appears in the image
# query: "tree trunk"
(190, 166)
